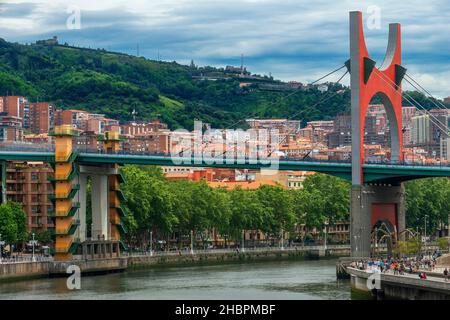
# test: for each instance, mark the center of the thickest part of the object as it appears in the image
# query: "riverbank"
(311, 279)
(27, 270)
(404, 287)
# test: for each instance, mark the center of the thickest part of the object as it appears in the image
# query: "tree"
(335, 195)
(247, 212)
(44, 237)
(427, 201)
(20, 218)
(149, 201)
(12, 223)
(278, 207)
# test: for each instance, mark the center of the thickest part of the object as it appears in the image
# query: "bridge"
(382, 173)
(377, 192)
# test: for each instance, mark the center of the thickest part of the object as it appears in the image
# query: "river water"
(264, 280)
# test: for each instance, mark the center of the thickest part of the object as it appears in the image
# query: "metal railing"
(24, 147)
(22, 259)
(186, 251)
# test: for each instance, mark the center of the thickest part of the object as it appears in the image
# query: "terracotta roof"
(243, 184)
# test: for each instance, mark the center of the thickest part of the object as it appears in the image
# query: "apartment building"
(137, 128)
(28, 183)
(11, 129)
(13, 105)
(282, 125)
(40, 118)
(150, 142)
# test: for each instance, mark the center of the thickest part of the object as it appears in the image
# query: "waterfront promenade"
(399, 286)
(411, 278)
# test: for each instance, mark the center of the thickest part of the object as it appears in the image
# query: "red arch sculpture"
(365, 84)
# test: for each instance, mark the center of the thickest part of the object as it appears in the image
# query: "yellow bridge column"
(111, 144)
(65, 190)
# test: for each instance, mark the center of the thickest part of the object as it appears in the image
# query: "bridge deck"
(373, 173)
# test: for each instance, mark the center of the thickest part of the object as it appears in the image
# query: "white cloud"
(292, 39)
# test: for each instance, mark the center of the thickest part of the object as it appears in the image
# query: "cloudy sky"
(292, 39)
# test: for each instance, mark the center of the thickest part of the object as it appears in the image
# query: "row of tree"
(167, 207)
(164, 207)
(427, 204)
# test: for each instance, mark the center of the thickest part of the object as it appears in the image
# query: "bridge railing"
(45, 148)
(187, 251)
(26, 147)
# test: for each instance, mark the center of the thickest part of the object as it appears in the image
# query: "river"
(309, 279)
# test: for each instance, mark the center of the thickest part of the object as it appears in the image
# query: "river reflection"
(267, 280)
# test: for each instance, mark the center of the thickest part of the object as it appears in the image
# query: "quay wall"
(400, 287)
(26, 270)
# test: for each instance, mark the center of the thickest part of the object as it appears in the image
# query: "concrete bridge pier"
(81, 179)
(101, 228)
(100, 207)
(369, 205)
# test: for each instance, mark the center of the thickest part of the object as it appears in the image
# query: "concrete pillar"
(363, 199)
(3, 177)
(401, 212)
(360, 226)
(81, 198)
(100, 204)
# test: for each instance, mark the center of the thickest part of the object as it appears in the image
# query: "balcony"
(120, 177)
(121, 196)
(110, 136)
(63, 245)
(120, 211)
(68, 175)
(65, 212)
(122, 229)
(64, 130)
(65, 156)
(69, 230)
(66, 195)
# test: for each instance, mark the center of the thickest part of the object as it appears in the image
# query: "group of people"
(400, 266)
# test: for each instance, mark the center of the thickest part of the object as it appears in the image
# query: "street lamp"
(243, 240)
(426, 216)
(192, 241)
(33, 259)
(151, 243)
(282, 239)
(1, 245)
(325, 242)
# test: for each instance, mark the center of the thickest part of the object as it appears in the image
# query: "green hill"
(115, 84)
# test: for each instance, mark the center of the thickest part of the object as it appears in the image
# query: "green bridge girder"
(373, 173)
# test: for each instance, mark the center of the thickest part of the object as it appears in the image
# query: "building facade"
(28, 183)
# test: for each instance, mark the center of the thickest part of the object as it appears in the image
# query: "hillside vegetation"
(114, 84)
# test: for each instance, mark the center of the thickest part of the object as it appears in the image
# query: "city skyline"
(292, 41)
